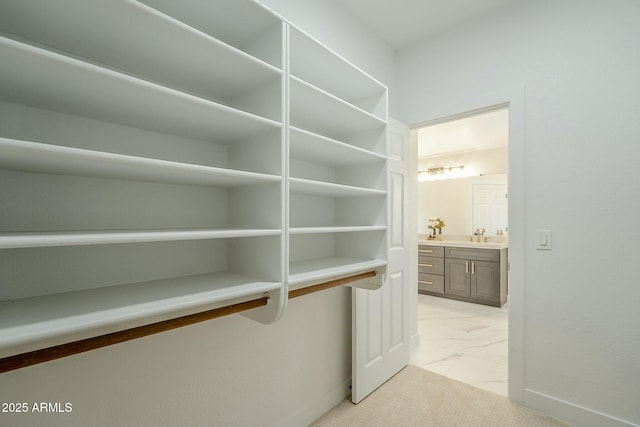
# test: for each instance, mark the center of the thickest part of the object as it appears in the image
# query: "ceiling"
(479, 132)
(401, 23)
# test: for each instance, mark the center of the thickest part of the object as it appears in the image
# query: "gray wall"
(577, 63)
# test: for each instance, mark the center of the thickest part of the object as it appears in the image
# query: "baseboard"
(317, 407)
(573, 414)
(415, 342)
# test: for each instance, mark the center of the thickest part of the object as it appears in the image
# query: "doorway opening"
(463, 188)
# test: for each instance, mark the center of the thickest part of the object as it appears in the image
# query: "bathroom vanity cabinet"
(474, 274)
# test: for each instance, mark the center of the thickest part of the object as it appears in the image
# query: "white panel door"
(490, 208)
(381, 323)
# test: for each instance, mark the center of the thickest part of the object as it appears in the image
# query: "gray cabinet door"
(457, 277)
(485, 280)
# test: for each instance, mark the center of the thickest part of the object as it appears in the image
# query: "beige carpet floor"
(420, 398)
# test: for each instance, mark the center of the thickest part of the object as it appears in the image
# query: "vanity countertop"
(464, 242)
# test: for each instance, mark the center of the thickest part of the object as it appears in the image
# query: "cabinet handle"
(466, 267)
(428, 251)
(426, 265)
(473, 268)
(425, 282)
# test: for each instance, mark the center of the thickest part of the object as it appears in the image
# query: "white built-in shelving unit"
(337, 171)
(162, 157)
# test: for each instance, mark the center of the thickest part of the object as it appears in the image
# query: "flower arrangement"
(435, 225)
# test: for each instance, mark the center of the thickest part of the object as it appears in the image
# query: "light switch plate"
(544, 240)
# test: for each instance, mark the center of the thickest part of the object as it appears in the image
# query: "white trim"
(516, 209)
(574, 414)
(415, 342)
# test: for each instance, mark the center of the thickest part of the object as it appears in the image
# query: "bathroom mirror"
(465, 204)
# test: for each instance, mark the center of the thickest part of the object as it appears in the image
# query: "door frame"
(514, 100)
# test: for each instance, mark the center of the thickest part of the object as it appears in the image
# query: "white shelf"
(338, 229)
(47, 80)
(318, 111)
(166, 51)
(13, 240)
(309, 146)
(309, 271)
(318, 188)
(45, 158)
(240, 23)
(177, 87)
(31, 319)
(352, 84)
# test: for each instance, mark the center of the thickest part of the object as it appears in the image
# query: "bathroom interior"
(462, 205)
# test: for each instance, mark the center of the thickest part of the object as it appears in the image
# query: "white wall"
(445, 199)
(577, 63)
(229, 371)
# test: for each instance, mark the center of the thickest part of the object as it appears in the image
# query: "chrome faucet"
(479, 233)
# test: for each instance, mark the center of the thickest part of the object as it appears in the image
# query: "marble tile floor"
(463, 341)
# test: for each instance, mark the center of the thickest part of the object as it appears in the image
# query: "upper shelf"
(312, 147)
(353, 85)
(44, 79)
(241, 23)
(337, 229)
(45, 158)
(327, 189)
(167, 51)
(316, 110)
(14, 240)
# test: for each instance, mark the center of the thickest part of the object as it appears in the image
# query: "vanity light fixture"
(441, 172)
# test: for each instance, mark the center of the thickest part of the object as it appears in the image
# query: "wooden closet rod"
(331, 284)
(35, 357)
(69, 349)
